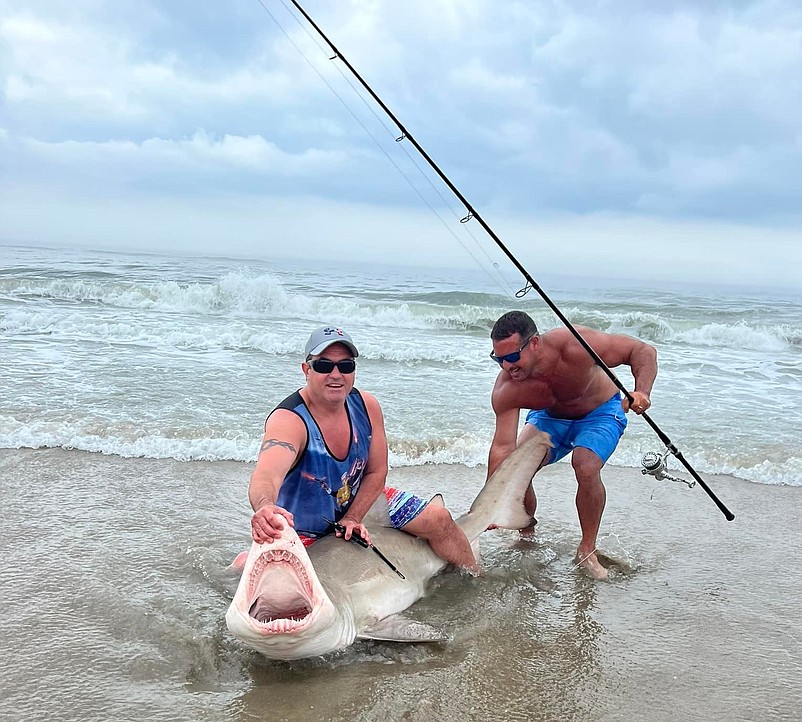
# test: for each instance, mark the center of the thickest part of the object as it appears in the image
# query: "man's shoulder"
(292, 402)
(369, 401)
(508, 394)
(564, 344)
(563, 335)
(285, 423)
(365, 396)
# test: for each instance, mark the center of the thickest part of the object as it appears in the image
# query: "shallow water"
(115, 587)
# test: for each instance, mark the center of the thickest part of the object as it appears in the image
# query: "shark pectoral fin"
(397, 628)
(239, 561)
(378, 514)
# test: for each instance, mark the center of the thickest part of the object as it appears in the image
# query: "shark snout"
(280, 607)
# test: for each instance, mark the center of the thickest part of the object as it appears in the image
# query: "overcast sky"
(631, 138)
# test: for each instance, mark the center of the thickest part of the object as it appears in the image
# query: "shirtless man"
(572, 400)
(324, 456)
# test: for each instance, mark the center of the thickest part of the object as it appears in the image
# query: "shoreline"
(561, 468)
(554, 485)
(131, 556)
(459, 484)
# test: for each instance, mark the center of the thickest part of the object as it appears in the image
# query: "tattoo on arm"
(270, 443)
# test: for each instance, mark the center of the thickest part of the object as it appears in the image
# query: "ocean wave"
(642, 324)
(238, 294)
(168, 333)
(741, 335)
(265, 296)
(455, 299)
(145, 446)
(466, 450)
(750, 466)
(232, 292)
(471, 452)
(251, 334)
(652, 327)
(175, 332)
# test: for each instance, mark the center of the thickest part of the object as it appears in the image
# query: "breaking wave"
(44, 306)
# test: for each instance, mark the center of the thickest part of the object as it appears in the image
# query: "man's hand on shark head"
(352, 526)
(268, 522)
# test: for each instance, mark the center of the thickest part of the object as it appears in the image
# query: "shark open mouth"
(280, 593)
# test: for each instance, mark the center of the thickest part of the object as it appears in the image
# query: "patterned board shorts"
(403, 506)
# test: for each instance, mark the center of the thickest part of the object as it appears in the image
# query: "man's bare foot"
(591, 565)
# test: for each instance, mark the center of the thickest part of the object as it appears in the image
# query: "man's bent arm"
(643, 362)
(270, 471)
(505, 438)
(618, 349)
(285, 435)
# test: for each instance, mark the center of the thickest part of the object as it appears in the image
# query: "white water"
(154, 356)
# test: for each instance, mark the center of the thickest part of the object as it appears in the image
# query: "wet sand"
(115, 586)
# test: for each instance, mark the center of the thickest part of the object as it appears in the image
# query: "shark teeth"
(274, 568)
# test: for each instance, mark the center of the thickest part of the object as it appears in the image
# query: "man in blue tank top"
(324, 456)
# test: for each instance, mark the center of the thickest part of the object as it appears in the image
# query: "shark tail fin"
(501, 501)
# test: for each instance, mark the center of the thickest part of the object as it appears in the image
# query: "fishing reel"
(654, 464)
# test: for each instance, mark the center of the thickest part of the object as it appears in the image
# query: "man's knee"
(433, 521)
(587, 465)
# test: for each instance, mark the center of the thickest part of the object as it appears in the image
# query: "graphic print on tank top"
(321, 485)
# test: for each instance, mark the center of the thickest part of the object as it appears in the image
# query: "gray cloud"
(671, 112)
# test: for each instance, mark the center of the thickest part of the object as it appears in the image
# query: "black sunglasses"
(325, 366)
(511, 358)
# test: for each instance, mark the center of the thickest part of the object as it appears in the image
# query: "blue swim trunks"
(599, 431)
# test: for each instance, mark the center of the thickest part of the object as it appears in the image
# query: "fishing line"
(499, 279)
(473, 214)
(446, 202)
(583, 559)
(554, 591)
(576, 566)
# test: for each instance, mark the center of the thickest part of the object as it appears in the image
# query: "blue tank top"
(320, 485)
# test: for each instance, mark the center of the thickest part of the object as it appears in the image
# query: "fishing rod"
(472, 214)
(357, 538)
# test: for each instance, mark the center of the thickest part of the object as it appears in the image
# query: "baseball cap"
(326, 336)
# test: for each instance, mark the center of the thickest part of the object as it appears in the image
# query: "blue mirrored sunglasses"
(510, 358)
(326, 366)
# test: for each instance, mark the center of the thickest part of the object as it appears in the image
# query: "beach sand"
(115, 587)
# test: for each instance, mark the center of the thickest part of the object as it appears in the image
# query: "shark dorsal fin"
(437, 500)
(378, 514)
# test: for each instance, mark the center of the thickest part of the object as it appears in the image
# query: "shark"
(294, 602)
